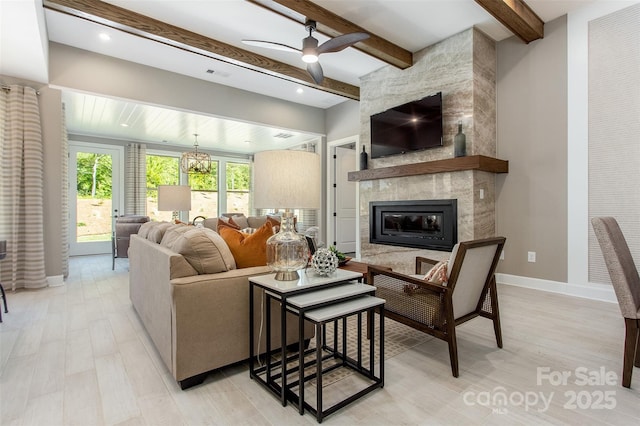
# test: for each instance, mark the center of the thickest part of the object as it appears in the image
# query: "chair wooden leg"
(495, 311)
(630, 344)
(637, 363)
(113, 253)
(4, 300)
(453, 351)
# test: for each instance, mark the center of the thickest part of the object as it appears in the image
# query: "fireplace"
(427, 224)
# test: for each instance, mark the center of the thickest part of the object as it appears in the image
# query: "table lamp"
(174, 198)
(286, 179)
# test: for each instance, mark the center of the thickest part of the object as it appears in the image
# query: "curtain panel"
(21, 189)
(64, 161)
(135, 196)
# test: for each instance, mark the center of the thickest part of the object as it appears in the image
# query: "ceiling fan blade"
(271, 45)
(315, 70)
(341, 42)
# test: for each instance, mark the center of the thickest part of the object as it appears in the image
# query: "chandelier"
(194, 162)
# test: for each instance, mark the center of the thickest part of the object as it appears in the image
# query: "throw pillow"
(204, 249)
(247, 249)
(438, 274)
(240, 221)
(222, 223)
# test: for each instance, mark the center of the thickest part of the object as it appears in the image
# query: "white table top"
(330, 294)
(329, 313)
(308, 279)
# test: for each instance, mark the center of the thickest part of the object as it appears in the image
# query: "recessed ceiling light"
(299, 90)
(104, 37)
(124, 124)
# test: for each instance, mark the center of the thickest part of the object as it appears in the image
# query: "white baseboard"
(55, 281)
(589, 291)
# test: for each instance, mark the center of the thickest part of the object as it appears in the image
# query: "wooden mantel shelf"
(472, 162)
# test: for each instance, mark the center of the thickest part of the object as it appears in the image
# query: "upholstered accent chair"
(125, 226)
(626, 284)
(437, 308)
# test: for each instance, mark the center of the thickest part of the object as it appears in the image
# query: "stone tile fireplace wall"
(463, 68)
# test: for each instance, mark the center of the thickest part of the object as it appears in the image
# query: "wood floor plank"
(79, 355)
(82, 400)
(117, 396)
(78, 352)
(48, 375)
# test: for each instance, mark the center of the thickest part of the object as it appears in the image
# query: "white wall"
(578, 161)
(577, 164)
(343, 120)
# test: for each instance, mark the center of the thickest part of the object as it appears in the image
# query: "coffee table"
(318, 299)
(281, 290)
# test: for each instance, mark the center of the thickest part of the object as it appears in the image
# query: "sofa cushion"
(172, 233)
(153, 231)
(211, 223)
(203, 248)
(248, 249)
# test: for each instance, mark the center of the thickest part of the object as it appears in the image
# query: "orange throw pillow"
(247, 249)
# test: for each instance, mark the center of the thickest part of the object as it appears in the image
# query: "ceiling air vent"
(283, 135)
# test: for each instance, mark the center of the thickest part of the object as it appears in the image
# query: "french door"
(95, 196)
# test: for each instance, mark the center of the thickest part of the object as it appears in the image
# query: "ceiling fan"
(310, 49)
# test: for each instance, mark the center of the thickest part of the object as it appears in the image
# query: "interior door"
(94, 196)
(345, 200)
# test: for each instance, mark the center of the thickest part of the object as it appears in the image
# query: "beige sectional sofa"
(193, 302)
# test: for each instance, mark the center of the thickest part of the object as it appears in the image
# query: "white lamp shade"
(174, 198)
(286, 180)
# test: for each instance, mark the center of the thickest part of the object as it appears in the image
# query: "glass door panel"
(94, 195)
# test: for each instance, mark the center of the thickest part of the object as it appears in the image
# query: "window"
(161, 170)
(238, 177)
(225, 190)
(204, 193)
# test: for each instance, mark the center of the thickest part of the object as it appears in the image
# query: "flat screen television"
(413, 126)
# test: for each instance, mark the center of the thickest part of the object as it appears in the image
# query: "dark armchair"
(125, 226)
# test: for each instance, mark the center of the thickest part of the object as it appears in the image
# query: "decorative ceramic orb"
(324, 261)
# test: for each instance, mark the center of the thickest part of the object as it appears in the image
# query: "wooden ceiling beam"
(332, 25)
(143, 26)
(517, 16)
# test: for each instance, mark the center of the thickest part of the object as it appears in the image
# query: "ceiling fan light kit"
(311, 51)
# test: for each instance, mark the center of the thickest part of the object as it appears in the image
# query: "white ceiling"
(413, 24)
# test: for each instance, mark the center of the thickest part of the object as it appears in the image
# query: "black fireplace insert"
(429, 224)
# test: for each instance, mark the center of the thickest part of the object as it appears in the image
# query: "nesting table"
(319, 300)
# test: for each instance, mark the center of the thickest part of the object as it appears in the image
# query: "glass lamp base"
(287, 251)
(287, 276)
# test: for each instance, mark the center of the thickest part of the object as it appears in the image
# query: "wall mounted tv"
(413, 126)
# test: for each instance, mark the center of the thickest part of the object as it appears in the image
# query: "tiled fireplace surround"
(463, 68)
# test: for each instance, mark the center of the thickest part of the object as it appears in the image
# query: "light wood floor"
(77, 355)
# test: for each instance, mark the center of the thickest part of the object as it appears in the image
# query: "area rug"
(398, 338)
